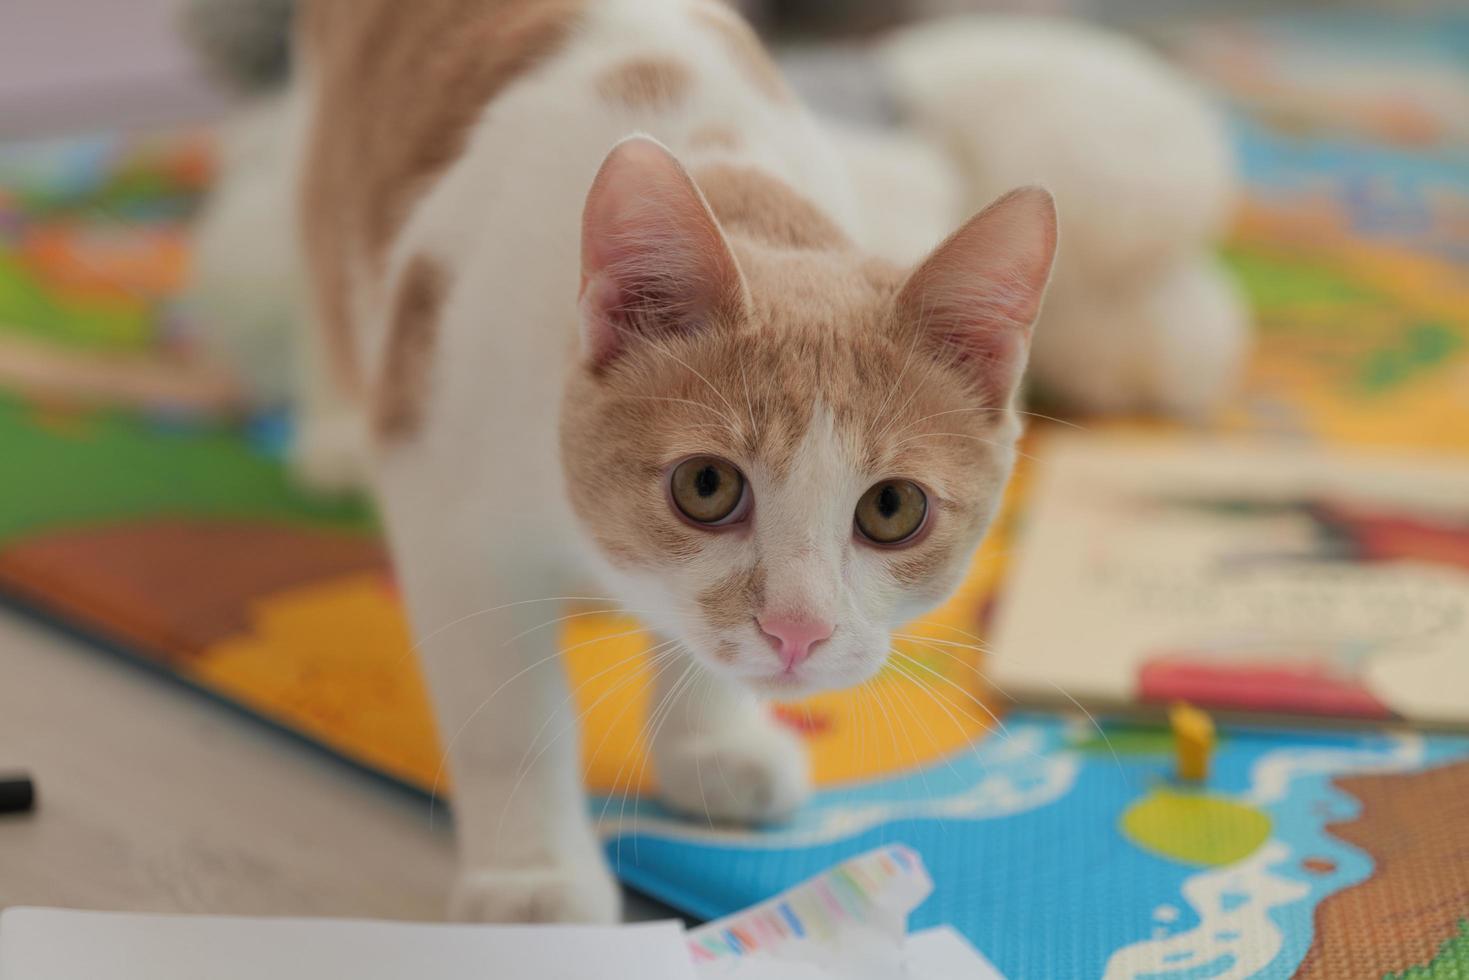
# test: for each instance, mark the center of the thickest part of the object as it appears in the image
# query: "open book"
(848, 923)
(1243, 577)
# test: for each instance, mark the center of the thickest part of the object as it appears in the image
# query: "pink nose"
(793, 639)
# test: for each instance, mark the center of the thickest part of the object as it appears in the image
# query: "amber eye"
(707, 490)
(891, 511)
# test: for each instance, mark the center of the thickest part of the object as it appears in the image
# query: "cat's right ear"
(977, 296)
(654, 262)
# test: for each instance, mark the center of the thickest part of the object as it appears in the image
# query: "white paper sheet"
(847, 924)
(46, 944)
(943, 954)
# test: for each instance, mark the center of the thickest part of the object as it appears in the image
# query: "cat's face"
(782, 457)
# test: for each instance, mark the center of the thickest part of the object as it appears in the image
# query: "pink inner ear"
(653, 258)
(978, 295)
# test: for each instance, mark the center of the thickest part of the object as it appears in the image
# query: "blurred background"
(145, 508)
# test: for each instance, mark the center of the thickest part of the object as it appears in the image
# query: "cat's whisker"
(454, 739)
(419, 648)
(964, 435)
(924, 324)
(689, 679)
(560, 619)
(617, 777)
(420, 641)
(921, 766)
(658, 716)
(983, 707)
(927, 730)
(984, 649)
(749, 403)
(653, 654)
(652, 684)
(1029, 752)
(574, 725)
(898, 414)
(912, 747)
(668, 658)
(699, 762)
(667, 351)
(942, 699)
(887, 719)
(944, 705)
(723, 420)
(969, 715)
(918, 335)
(990, 410)
(665, 654)
(719, 766)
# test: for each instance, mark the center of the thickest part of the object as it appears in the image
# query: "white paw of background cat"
(572, 891)
(329, 454)
(752, 773)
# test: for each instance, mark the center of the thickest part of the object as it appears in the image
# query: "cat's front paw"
(752, 774)
(572, 892)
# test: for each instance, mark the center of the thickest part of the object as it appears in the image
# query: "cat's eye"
(708, 490)
(891, 512)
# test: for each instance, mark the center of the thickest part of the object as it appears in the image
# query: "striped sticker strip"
(881, 887)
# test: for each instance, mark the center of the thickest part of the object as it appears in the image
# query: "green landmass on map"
(1271, 281)
(28, 307)
(57, 465)
(1451, 963)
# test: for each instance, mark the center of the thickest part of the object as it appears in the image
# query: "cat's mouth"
(784, 683)
(794, 684)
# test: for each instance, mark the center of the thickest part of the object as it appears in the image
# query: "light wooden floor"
(152, 798)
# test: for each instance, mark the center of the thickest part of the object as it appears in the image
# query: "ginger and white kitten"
(587, 279)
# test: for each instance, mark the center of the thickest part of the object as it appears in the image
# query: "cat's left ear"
(976, 297)
(654, 261)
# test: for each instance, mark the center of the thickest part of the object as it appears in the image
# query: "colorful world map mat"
(150, 523)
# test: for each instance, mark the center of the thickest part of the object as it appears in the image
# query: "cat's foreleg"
(720, 753)
(488, 643)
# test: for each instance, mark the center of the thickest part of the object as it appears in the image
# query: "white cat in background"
(583, 288)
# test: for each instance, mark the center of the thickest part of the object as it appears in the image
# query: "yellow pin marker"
(1193, 741)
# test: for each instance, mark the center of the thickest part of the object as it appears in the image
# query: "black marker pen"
(17, 793)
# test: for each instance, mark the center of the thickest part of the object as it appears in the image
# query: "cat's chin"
(795, 685)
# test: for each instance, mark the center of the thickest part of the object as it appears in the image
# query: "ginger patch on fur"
(735, 599)
(745, 48)
(398, 87)
(646, 83)
(715, 137)
(399, 401)
(750, 202)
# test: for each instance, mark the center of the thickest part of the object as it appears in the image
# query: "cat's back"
(396, 87)
(401, 92)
